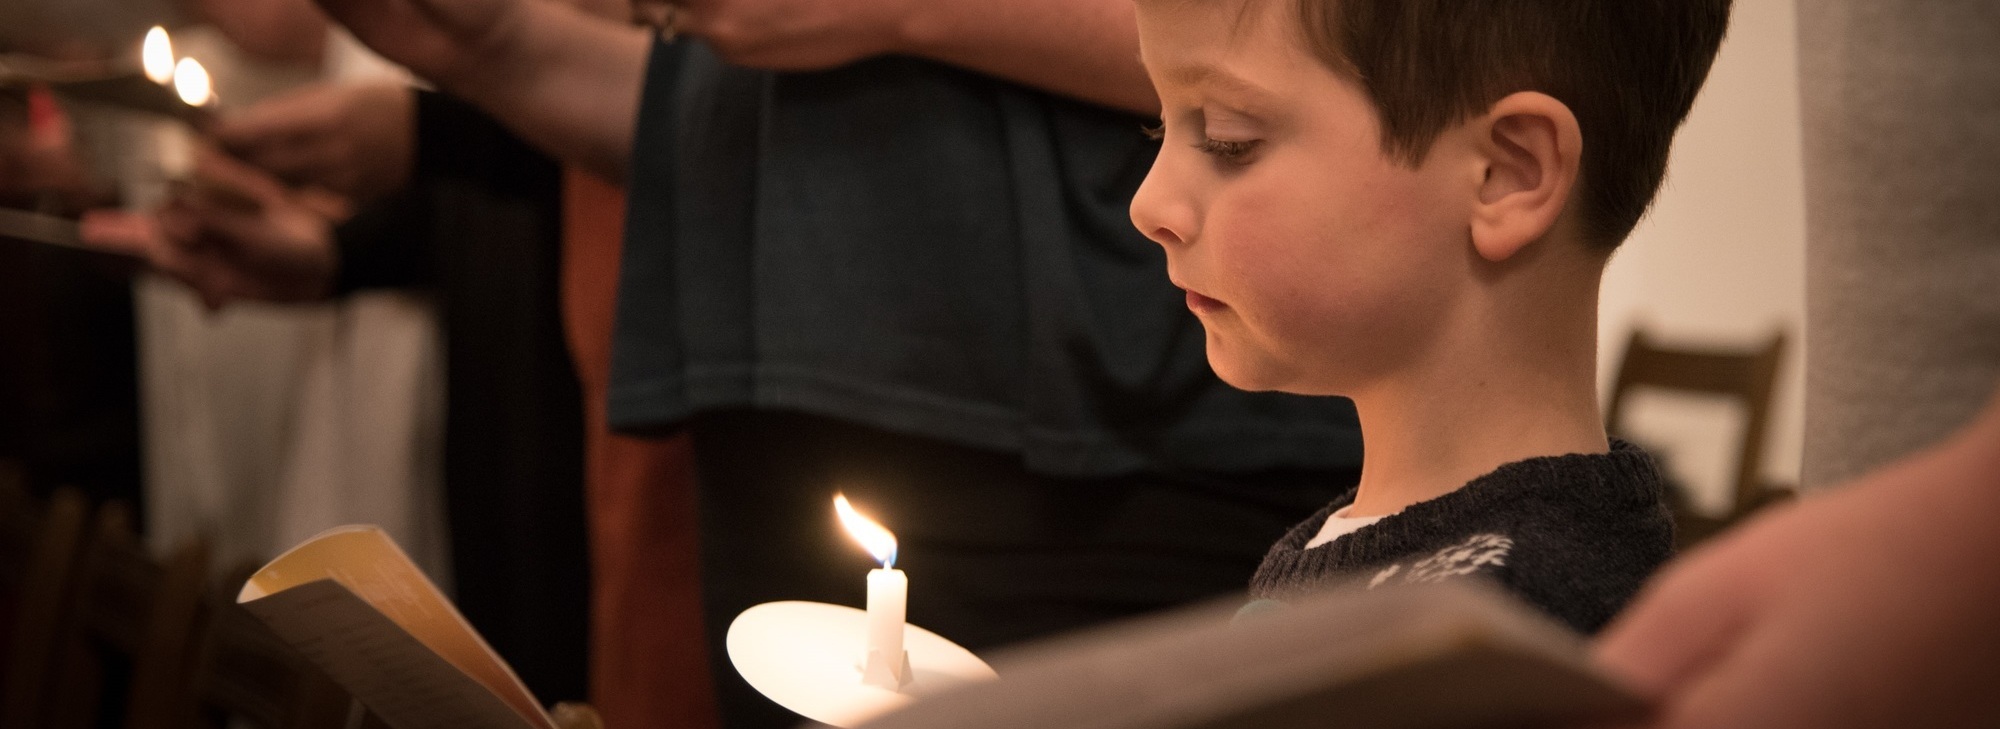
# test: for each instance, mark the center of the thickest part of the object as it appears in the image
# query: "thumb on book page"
(574, 715)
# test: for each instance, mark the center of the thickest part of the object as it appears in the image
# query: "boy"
(1410, 203)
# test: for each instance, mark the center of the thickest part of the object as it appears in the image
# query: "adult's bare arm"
(569, 82)
(1086, 49)
(566, 81)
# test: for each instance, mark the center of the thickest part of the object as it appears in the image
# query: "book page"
(399, 678)
(354, 603)
(1453, 654)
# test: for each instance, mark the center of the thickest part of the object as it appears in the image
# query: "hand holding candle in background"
(259, 225)
(884, 662)
(355, 139)
(236, 233)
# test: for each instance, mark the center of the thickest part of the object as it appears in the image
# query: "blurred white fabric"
(265, 424)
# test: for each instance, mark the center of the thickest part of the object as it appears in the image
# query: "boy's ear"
(1532, 150)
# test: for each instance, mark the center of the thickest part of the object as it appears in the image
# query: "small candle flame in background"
(872, 536)
(157, 56)
(191, 82)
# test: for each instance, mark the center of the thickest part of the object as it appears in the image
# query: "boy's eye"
(1226, 150)
(1155, 132)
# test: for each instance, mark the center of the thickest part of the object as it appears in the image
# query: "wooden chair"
(20, 519)
(41, 546)
(1748, 376)
(99, 626)
(128, 641)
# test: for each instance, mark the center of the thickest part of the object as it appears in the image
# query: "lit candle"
(175, 139)
(156, 56)
(884, 664)
(192, 83)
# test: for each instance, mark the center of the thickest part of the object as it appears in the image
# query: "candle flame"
(156, 55)
(191, 82)
(877, 540)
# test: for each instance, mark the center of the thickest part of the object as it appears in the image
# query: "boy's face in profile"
(1315, 262)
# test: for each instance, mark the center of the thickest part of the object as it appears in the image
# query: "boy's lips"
(1198, 303)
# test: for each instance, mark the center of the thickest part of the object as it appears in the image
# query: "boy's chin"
(1259, 376)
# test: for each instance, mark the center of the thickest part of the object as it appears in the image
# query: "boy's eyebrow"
(1202, 74)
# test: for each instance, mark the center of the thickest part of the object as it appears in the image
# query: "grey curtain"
(1901, 102)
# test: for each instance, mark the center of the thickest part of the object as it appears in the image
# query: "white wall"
(1721, 259)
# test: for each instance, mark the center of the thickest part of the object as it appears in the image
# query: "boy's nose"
(1155, 214)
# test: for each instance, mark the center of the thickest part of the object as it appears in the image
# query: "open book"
(353, 603)
(1451, 654)
(1435, 656)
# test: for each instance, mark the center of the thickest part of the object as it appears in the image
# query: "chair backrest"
(132, 628)
(1748, 375)
(163, 661)
(47, 539)
(98, 625)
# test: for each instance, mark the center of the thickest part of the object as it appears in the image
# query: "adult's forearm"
(570, 83)
(566, 82)
(1085, 49)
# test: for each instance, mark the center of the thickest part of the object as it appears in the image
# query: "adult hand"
(1869, 607)
(239, 234)
(1087, 49)
(561, 78)
(798, 34)
(284, 31)
(441, 40)
(355, 139)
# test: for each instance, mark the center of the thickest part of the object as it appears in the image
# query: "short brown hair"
(1628, 70)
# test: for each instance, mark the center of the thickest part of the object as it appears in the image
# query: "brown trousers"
(647, 664)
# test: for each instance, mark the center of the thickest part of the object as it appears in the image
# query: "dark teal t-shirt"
(930, 251)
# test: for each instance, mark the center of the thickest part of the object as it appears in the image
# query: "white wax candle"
(888, 595)
(151, 153)
(176, 149)
(883, 663)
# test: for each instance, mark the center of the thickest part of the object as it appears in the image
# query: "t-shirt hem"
(661, 403)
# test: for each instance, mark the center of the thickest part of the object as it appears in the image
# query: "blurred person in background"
(266, 424)
(443, 200)
(238, 410)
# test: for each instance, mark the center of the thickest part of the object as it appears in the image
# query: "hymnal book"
(1458, 653)
(1454, 654)
(357, 607)
(39, 227)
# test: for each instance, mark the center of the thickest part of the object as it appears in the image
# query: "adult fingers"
(121, 232)
(154, 240)
(301, 138)
(309, 112)
(571, 715)
(325, 203)
(302, 162)
(232, 232)
(224, 181)
(1681, 624)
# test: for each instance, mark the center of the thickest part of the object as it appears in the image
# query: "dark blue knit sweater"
(1575, 535)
